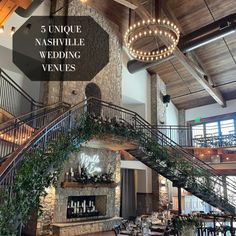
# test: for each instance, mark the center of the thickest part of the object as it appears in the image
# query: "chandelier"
(163, 30)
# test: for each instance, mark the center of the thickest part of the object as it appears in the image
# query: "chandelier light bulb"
(152, 28)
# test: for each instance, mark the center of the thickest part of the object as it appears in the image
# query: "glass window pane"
(197, 131)
(227, 127)
(212, 129)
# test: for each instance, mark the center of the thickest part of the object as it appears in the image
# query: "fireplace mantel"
(80, 185)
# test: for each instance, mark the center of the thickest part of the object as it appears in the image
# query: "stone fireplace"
(104, 202)
(75, 208)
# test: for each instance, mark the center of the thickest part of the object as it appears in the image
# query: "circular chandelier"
(164, 30)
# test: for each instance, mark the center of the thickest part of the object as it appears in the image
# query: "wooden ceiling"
(7, 7)
(114, 11)
(218, 58)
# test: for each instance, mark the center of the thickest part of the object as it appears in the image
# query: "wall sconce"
(166, 99)
(163, 183)
(13, 30)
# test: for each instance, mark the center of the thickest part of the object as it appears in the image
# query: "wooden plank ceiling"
(114, 11)
(218, 58)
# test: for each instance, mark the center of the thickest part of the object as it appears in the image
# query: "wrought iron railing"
(13, 98)
(191, 136)
(173, 149)
(69, 119)
(17, 131)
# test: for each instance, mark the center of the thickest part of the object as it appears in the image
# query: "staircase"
(17, 131)
(154, 148)
(31, 115)
(14, 101)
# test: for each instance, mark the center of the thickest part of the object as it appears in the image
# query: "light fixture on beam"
(2, 29)
(163, 29)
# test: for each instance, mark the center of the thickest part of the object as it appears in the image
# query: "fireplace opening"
(86, 206)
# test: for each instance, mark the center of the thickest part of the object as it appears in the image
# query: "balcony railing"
(190, 136)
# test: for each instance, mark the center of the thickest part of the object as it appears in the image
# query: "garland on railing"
(40, 169)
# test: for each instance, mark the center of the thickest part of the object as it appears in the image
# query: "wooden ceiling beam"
(200, 73)
(192, 68)
(127, 4)
(170, 15)
(194, 57)
(214, 92)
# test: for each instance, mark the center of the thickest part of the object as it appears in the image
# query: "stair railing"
(67, 120)
(17, 131)
(13, 98)
(111, 110)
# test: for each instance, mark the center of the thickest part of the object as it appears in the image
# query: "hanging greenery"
(40, 168)
(185, 221)
(38, 171)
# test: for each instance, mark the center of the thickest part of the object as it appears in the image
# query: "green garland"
(85, 178)
(40, 169)
(185, 221)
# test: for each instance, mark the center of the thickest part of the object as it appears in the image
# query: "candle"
(79, 170)
(71, 172)
(84, 206)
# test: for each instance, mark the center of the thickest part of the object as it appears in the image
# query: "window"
(212, 129)
(214, 134)
(198, 131)
(227, 127)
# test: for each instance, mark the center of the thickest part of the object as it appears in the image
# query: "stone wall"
(84, 228)
(108, 79)
(163, 193)
(44, 224)
(158, 117)
(158, 108)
